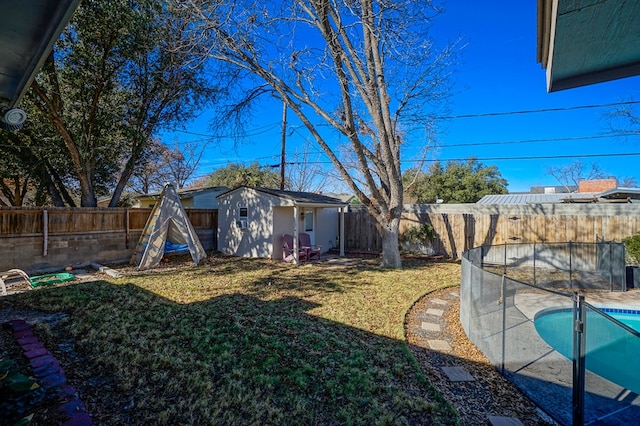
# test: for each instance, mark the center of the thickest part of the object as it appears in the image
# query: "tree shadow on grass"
(233, 359)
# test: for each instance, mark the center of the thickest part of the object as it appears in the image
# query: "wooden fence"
(458, 227)
(32, 221)
(36, 238)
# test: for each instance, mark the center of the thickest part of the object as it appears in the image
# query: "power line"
(527, 158)
(531, 111)
(267, 127)
(538, 157)
(544, 157)
(523, 141)
(258, 131)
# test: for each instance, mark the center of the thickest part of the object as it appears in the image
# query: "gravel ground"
(490, 394)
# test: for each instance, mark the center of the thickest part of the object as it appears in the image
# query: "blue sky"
(497, 73)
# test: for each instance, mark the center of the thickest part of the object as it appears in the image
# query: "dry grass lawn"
(245, 341)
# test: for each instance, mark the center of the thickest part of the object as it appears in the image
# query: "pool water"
(611, 350)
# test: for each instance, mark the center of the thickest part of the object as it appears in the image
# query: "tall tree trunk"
(54, 194)
(390, 250)
(124, 178)
(136, 152)
(84, 172)
(59, 187)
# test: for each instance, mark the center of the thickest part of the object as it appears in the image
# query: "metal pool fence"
(506, 288)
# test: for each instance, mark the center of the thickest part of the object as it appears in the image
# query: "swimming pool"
(611, 350)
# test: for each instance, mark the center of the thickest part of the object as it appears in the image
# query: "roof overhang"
(622, 193)
(28, 30)
(583, 42)
(291, 198)
(319, 205)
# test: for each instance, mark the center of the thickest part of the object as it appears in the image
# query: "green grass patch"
(246, 341)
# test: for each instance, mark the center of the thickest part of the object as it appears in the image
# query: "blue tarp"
(170, 247)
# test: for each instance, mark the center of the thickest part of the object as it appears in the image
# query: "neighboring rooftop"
(587, 191)
(187, 192)
(557, 189)
(529, 198)
(198, 198)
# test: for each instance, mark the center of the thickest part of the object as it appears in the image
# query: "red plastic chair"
(287, 250)
(312, 249)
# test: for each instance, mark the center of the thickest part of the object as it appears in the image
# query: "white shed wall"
(257, 239)
(327, 227)
(282, 224)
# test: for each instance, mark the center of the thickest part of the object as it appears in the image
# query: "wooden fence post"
(45, 231)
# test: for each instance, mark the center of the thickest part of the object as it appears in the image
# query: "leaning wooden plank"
(106, 270)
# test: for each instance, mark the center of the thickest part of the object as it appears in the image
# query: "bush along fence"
(455, 228)
(38, 239)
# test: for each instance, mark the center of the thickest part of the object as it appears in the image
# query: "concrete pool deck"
(546, 376)
(532, 303)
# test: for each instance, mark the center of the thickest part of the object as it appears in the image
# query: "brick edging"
(49, 374)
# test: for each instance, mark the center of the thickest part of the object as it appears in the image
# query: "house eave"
(587, 42)
(319, 205)
(28, 31)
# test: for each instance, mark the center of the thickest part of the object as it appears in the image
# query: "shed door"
(308, 224)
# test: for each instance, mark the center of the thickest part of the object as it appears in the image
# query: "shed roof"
(347, 198)
(297, 198)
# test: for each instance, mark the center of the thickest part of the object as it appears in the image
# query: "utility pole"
(284, 137)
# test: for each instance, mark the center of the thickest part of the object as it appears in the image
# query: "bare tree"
(624, 120)
(571, 174)
(628, 182)
(162, 164)
(151, 173)
(304, 174)
(365, 69)
(181, 162)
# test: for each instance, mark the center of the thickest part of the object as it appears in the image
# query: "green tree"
(236, 174)
(31, 170)
(360, 73)
(112, 81)
(455, 182)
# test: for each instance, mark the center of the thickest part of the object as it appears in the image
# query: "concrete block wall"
(27, 252)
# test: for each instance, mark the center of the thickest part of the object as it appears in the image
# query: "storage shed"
(251, 221)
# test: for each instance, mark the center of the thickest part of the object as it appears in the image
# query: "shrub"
(417, 238)
(632, 246)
